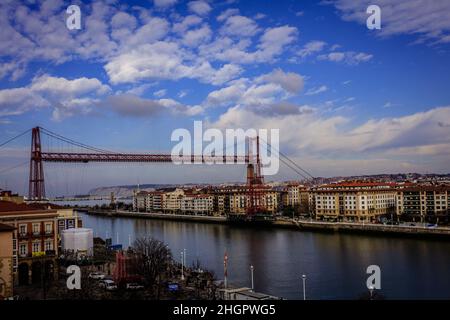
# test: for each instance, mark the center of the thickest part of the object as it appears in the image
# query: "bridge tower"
(36, 191)
(255, 180)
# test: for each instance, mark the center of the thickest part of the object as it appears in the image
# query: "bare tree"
(151, 259)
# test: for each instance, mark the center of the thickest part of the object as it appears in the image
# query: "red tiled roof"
(8, 207)
(46, 206)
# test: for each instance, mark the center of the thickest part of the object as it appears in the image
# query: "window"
(23, 249)
(36, 247)
(48, 245)
(36, 228)
(48, 228)
(22, 229)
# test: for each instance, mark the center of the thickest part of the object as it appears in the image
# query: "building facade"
(197, 204)
(6, 261)
(354, 201)
(147, 201)
(35, 241)
(424, 203)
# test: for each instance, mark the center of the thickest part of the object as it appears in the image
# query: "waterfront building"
(354, 201)
(139, 201)
(424, 203)
(6, 261)
(171, 200)
(197, 204)
(147, 201)
(35, 241)
(296, 196)
(153, 201)
(239, 200)
(208, 201)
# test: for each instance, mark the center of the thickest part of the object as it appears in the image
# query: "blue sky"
(347, 100)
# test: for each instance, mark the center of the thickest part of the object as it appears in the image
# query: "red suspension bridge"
(255, 180)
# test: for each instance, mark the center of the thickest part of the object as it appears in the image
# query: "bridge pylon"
(36, 190)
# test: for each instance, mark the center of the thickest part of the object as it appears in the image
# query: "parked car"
(96, 275)
(134, 286)
(109, 285)
(412, 224)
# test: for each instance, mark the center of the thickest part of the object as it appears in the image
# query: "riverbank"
(317, 226)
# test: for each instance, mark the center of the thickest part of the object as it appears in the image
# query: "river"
(334, 264)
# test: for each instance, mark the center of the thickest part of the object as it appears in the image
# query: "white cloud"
(311, 47)
(199, 7)
(240, 26)
(289, 81)
(227, 13)
(186, 23)
(429, 20)
(61, 87)
(193, 38)
(314, 91)
(165, 60)
(19, 100)
(335, 137)
(67, 97)
(259, 16)
(275, 39)
(348, 57)
(265, 93)
(182, 94)
(160, 93)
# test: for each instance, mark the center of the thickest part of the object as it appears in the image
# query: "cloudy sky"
(347, 100)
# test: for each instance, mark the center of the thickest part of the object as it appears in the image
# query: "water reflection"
(335, 264)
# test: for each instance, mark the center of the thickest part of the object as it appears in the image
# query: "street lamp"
(182, 266)
(251, 272)
(304, 286)
(371, 288)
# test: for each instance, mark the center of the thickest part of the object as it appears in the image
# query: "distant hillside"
(124, 191)
(127, 191)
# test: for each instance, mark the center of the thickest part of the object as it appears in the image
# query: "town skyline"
(347, 100)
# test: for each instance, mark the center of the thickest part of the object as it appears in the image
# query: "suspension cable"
(14, 167)
(18, 136)
(287, 158)
(73, 142)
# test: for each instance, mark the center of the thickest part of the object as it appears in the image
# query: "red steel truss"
(255, 180)
(122, 157)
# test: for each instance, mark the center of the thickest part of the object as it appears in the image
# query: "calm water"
(335, 264)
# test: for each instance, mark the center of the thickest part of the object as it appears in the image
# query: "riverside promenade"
(306, 225)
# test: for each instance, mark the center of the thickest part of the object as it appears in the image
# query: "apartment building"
(209, 201)
(354, 201)
(296, 196)
(239, 200)
(35, 241)
(197, 204)
(171, 200)
(148, 201)
(6, 261)
(424, 203)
